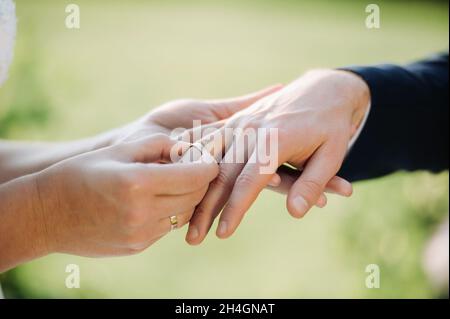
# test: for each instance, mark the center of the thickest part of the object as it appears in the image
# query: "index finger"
(178, 178)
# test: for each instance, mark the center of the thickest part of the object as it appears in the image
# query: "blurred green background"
(131, 56)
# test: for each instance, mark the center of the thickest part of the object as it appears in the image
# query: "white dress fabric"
(7, 36)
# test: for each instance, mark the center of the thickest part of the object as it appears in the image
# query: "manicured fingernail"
(349, 188)
(192, 233)
(321, 204)
(322, 201)
(222, 230)
(300, 205)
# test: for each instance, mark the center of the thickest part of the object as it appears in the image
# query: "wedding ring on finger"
(173, 222)
(201, 153)
(199, 146)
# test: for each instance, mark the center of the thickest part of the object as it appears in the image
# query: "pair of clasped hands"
(119, 198)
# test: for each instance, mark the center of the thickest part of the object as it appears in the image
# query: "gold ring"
(173, 222)
(199, 147)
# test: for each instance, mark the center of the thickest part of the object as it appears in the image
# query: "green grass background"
(130, 56)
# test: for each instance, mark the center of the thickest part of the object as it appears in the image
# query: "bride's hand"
(119, 200)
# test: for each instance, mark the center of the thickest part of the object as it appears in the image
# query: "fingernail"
(222, 230)
(275, 181)
(321, 204)
(192, 233)
(322, 201)
(349, 188)
(300, 205)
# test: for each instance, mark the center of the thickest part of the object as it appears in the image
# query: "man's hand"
(182, 113)
(316, 116)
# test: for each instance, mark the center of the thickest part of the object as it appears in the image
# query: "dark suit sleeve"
(407, 127)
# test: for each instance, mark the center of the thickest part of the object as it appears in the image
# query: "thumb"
(285, 177)
(319, 170)
(227, 107)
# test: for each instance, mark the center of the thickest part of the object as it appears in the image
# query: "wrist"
(48, 208)
(43, 207)
(345, 88)
(22, 234)
(357, 96)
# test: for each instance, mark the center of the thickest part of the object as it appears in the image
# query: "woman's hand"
(23, 158)
(315, 117)
(114, 201)
(119, 200)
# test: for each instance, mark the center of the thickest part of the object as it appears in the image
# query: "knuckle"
(245, 180)
(138, 182)
(314, 128)
(312, 188)
(285, 136)
(202, 217)
(148, 180)
(251, 124)
(128, 185)
(336, 156)
(134, 218)
(200, 213)
(336, 166)
(160, 137)
(222, 179)
(235, 210)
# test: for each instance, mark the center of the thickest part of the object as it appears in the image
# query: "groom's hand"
(315, 116)
(182, 113)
